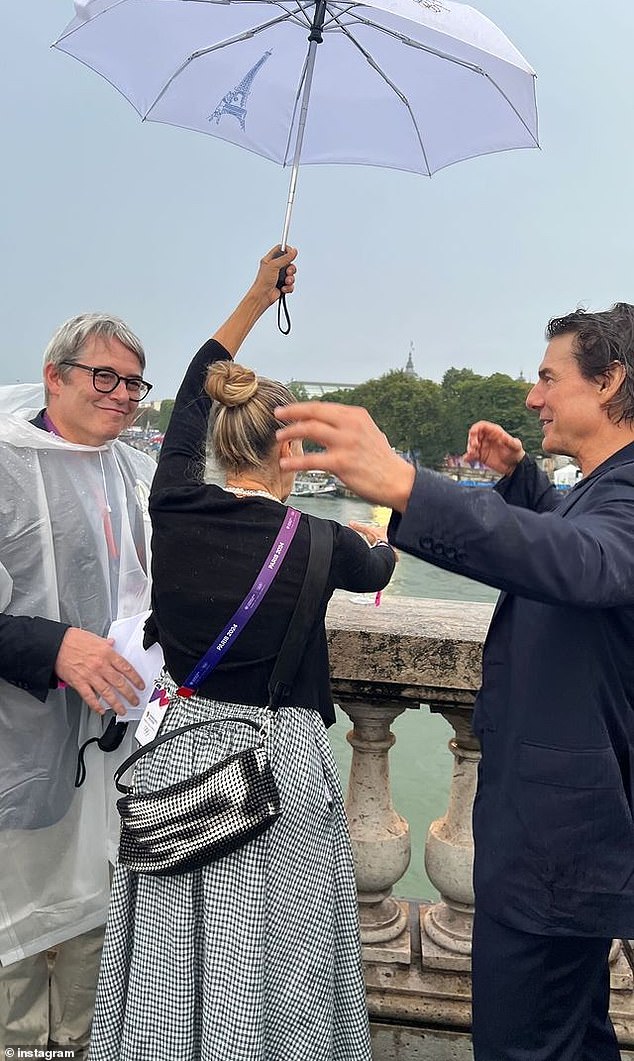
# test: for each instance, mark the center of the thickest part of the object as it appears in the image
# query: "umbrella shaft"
(315, 38)
(312, 51)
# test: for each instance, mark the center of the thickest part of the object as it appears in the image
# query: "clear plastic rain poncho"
(74, 546)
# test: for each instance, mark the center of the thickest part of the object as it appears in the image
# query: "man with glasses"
(73, 557)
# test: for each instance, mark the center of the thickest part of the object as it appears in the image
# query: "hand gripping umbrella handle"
(281, 303)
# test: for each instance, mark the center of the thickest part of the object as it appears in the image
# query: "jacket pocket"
(575, 817)
(594, 768)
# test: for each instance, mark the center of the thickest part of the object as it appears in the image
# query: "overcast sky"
(164, 227)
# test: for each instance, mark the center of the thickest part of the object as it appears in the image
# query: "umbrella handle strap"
(283, 308)
(281, 302)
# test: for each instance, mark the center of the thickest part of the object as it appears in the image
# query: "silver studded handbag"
(201, 819)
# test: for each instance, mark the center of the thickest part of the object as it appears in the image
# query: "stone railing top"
(408, 648)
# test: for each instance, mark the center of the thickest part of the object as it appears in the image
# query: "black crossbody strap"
(145, 748)
(304, 614)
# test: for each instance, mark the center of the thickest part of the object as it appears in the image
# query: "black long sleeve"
(208, 546)
(29, 644)
(28, 650)
(182, 454)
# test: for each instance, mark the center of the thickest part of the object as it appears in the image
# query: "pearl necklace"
(245, 490)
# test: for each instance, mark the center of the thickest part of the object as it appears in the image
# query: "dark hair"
(600, 340)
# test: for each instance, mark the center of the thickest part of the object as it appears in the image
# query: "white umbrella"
(406, 84)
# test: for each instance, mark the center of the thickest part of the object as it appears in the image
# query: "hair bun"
(231, 384)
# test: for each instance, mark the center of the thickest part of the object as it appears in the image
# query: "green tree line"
(430, 420)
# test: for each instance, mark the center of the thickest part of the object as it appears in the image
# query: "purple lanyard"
(246, 611)
(49, 425)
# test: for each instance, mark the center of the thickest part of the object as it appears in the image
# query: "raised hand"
(356, 450)
(269, 271)
(372, 533)
(263, 293)
(90, 665)
(490, 444)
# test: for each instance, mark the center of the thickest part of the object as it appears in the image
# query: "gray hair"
(69, 339)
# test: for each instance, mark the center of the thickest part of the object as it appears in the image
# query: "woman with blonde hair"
(256, 956)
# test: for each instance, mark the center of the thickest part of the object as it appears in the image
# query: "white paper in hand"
(128, 642)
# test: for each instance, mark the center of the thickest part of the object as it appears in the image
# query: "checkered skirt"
(252, 958)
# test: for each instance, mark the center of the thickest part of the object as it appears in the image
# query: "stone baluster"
(446, 926)
(621, 976)
(380, 836)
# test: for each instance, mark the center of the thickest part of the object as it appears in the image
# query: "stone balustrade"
(410, 654)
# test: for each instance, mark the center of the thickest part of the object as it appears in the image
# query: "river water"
(420, 761)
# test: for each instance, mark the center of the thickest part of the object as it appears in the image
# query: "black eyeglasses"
(106, 380)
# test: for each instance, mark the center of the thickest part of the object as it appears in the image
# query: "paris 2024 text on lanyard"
(153, 715)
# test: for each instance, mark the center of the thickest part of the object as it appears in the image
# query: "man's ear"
(52, 378)
(611, 381)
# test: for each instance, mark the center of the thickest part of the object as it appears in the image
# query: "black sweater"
(209, 545)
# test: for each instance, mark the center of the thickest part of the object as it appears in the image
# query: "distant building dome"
(409, 368)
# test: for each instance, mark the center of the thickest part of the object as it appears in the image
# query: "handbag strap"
(304, 616)
(145, 748)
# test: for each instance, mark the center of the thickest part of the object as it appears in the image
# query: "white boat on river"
(314, 484)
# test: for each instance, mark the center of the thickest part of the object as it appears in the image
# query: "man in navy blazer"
(553, 814)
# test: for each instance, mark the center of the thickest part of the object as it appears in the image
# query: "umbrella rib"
(513, 107)
(295, 105)
(81, 25)
(441, 55)
(418, 45)
(298, 11)
(336, 12)
(213, 48)
(401, 95)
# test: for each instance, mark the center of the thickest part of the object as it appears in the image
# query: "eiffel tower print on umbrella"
(235, 102)
(405, 84)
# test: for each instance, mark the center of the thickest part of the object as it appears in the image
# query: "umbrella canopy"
(407, 84)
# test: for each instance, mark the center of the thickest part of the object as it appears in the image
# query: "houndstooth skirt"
(252, 958)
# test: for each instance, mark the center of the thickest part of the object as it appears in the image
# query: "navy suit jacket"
(553, 815)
